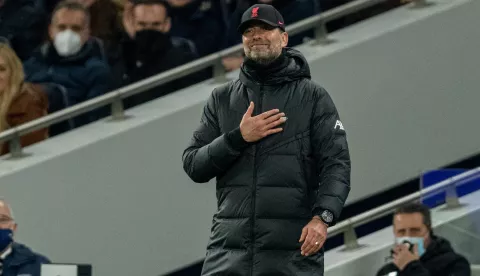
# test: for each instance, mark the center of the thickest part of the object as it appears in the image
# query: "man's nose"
(256, 36)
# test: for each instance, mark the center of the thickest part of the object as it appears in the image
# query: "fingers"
(313, 242)
(262, 125)
(267, 114)
(274, 118)
(310, 245)
(320, 243)
(277, 122)
(272, 131)
(415, 249)
(399, 249)
(304, 235)
(249, 111)
(317, 244)
(305, 243)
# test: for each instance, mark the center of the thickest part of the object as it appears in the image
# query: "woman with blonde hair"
(20, 102)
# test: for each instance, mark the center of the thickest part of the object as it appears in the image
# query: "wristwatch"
(327, 217)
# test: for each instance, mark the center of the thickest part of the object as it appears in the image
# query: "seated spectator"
(105, 23)
(70, 59)
(22, 24)
(429, 255)
(201, 21)
(291, 10)
(152, 51)
(15, 258)
(20, 102)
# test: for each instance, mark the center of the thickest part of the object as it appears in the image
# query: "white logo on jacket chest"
(339, 125)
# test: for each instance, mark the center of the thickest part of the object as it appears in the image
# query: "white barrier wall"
(115, 194)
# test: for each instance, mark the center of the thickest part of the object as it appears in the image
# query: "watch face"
(327, 216)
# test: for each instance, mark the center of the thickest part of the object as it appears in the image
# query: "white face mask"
(67, 43)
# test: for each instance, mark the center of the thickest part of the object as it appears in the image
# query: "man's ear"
(284, 39)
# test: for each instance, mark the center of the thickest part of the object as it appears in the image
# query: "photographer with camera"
(417, 251)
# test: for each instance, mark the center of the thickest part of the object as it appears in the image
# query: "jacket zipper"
(254, 188)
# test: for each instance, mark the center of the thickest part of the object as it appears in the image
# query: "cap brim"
(244, 25)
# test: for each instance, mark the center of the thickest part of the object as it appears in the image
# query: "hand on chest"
(297, 109)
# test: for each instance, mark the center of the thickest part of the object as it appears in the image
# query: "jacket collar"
(49, 52)
(5, 253)
(20, 254)
(295, 67)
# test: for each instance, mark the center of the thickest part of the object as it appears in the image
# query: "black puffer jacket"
(269, 190)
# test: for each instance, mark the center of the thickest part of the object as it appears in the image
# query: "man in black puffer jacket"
(280, 183)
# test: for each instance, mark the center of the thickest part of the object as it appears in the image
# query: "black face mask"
(151, 42)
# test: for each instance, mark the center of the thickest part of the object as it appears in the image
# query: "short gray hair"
(4, 201)
(71, 5)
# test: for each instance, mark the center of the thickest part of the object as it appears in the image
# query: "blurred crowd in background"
(55, 54)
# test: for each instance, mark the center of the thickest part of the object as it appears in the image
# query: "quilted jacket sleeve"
(209, 153)
(330, 148)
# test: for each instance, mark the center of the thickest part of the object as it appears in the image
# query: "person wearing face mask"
(150, 49)
(71, 59)
(417, 251)
(15, 258)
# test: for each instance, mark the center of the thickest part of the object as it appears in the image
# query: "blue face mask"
(419, 241)
(6, 238)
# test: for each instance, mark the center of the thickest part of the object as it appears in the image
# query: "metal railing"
(347, 227)
(114, 98)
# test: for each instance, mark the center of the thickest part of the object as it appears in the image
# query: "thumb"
(304, 234)
(249, 110)
(415, 249)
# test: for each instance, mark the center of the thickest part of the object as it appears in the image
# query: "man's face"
(151, 17)
(70, 19)
(263, 43)
(6, 220)
(410, 225)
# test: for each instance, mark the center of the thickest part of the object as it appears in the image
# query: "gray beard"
(262, 59)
